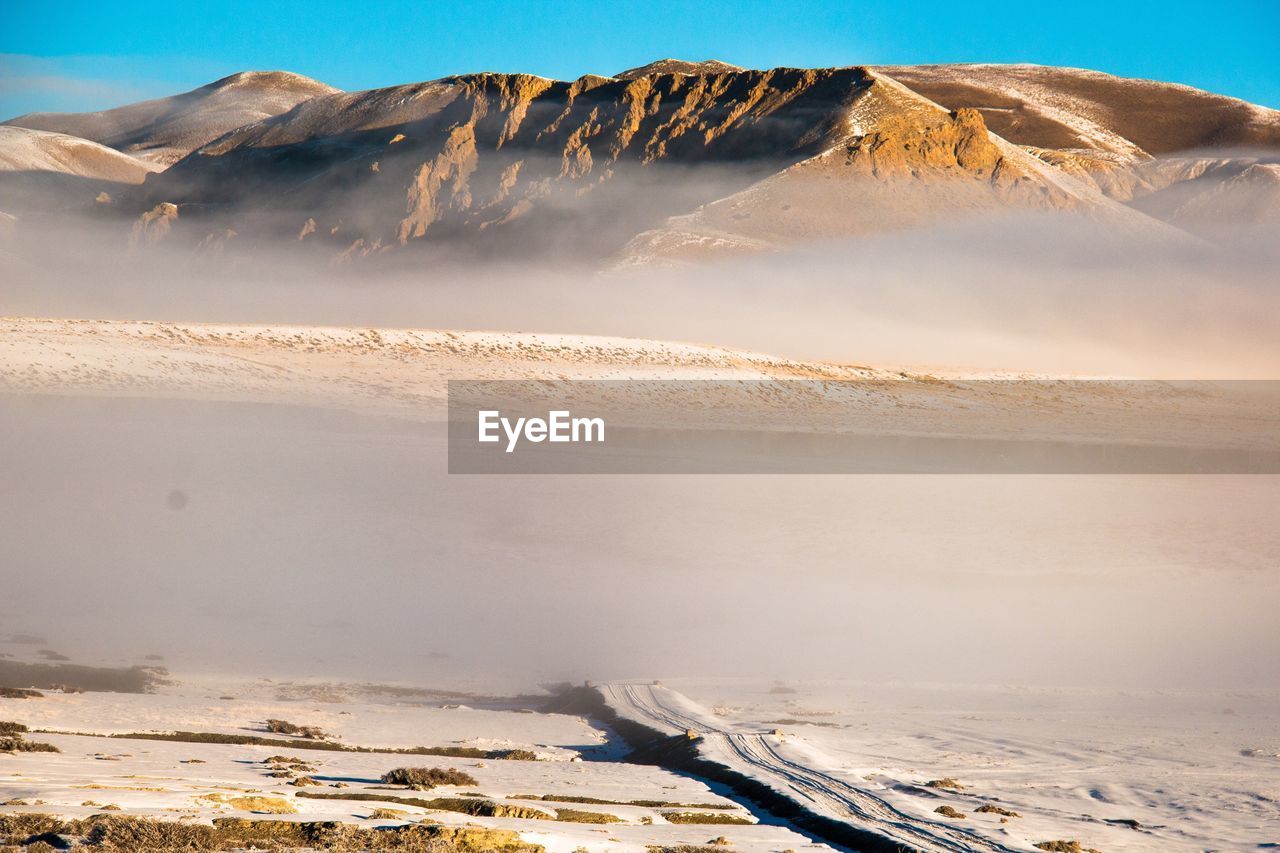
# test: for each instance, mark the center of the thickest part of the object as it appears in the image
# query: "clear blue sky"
(91, 55)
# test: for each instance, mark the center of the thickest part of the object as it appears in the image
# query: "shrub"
(947, 811)
(518, 755)
(990, 809)
(387, 814)
(284, 727)
(261, 805)
(19, 693)
(15, 743)
(947, 782)
(113, 832)
(423, 778)
(8, 728)
(1063, 847)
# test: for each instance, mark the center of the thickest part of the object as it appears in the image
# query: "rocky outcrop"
(154, 225)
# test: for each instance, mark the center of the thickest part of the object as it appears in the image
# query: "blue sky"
(92, 55)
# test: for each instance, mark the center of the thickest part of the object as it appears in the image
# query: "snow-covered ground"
(199, 781)
(1120, 770)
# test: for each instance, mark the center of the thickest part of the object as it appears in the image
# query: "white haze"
(323, 544)
(1040, 294)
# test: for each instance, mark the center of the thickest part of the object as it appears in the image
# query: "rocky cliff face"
(520, 164)
(464, 158)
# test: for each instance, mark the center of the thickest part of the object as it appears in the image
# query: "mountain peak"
(678, 66)
(278, 80)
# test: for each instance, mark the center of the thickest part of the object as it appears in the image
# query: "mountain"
(513, 162)
(42, 171)
(522, 164)
(680, 160)
(166, 129)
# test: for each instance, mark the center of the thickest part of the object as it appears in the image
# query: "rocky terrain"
(670, 161)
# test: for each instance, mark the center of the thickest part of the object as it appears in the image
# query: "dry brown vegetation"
(576, 816)
(425, 778)
(132, 834)
(1063, 847)
(594, 801)
(462, 805)
(284, 727)
(73, 677)
(10, 728)
(948, 811)
(990, 809)
(946, 782)
(19, 693)
(322, 745)
(15, 742)
(700, 818)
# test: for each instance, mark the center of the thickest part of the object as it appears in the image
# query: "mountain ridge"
(678, 154)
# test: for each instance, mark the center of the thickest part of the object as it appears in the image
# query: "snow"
(1196, 770)
(190, 781)
(23, 150)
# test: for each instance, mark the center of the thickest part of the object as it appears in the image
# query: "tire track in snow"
(812, 787)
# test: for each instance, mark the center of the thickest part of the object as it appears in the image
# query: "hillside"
(166, 129)
(42, 171)
(1071, 108)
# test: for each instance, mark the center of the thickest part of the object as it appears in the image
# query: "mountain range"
(670, 162)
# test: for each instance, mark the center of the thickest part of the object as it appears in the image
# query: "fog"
(1039, 293)
(272, 540)
(256, 540)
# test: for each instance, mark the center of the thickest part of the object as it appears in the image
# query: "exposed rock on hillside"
(1071, 108)
(544, 162)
